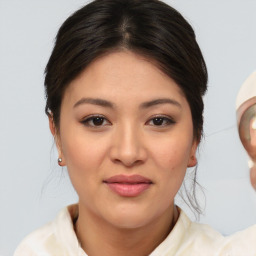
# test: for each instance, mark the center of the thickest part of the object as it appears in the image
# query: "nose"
(128, 147)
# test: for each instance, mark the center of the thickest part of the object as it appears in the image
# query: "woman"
(124, 87)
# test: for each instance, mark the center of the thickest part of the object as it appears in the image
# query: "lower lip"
(128, 190)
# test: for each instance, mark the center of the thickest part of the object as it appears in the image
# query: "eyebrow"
(108, 104)
(99, 102)
(151, 103)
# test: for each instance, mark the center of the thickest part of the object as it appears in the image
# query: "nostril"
(127, 163)
(127, 149)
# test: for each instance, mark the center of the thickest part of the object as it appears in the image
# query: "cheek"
(82, 153)
(173, 155)
(171, 158)
(84, 157)
(173, 165)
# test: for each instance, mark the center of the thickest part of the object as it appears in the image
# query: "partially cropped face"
(126, 137)
(247, 132)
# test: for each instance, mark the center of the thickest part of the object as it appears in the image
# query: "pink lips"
(128, 186)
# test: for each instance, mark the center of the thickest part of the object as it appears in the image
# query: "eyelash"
(168, 121)
(86, 121)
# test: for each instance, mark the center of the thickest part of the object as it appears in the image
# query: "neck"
(98, 237)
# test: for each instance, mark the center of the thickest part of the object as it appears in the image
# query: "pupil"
(158, 121)
(97, 121)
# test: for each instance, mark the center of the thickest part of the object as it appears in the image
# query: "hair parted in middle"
(149, 28)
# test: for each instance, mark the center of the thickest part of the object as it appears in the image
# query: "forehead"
(123, 76)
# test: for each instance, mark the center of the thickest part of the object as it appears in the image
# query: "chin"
(129, 221)
(125, 217)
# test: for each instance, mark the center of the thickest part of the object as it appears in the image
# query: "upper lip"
(128, 179)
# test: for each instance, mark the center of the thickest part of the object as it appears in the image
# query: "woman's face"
(126, 137)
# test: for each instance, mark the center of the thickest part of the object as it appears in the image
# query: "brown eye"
(161, 121)
(95, 121)
(158, 121)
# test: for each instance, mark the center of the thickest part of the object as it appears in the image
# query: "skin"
(253, 150)
(127, 142)
(249, 144)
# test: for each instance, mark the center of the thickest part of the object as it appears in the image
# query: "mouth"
(128, 186)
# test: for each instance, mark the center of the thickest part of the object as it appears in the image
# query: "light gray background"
(33, 188)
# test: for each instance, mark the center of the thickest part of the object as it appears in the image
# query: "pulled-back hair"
(150, 28)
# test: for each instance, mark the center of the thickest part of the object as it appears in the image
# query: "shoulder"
(195, 239)
(55, 238)
(198, 239)
(36, 242)
(204, 240)
(240, 243)
(189, 238)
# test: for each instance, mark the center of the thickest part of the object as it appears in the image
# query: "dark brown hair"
(150, 28)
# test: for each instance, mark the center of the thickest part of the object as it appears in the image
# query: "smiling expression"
(126, 136)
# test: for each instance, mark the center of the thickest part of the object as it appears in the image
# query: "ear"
(193, 160)
(52, 125)
(56, 136)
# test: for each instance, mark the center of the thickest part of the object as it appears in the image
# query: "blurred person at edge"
(124, 87)
(246, 117)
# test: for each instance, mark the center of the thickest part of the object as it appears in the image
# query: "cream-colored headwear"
(247, 91)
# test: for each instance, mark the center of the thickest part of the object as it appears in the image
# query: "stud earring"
(59, 161)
